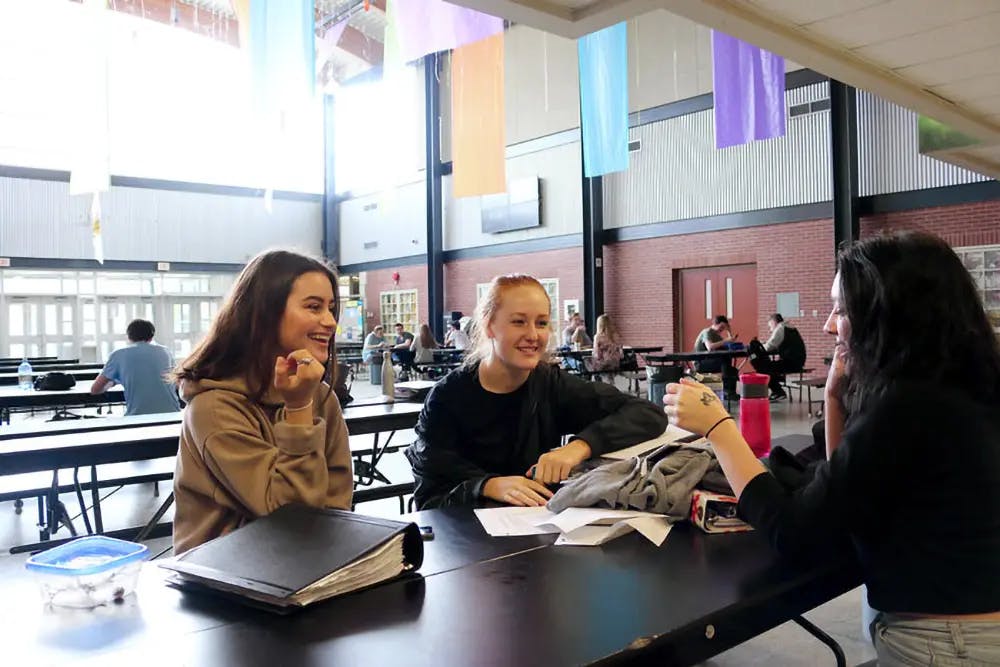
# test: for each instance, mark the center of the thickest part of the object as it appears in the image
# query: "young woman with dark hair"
(911, 490)
(262, 428)
(492, 428)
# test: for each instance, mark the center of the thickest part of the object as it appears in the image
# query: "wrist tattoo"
(707, 398)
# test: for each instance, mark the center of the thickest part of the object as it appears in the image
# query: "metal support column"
(844, 160)
(435, 234)
(593, 250)
(331, 204)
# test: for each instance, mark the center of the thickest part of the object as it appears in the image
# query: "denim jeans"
(901, 641)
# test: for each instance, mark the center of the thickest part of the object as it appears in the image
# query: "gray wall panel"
(888, 152)
(394, 221)
(679, 174)
(558, 168)
(40, 219)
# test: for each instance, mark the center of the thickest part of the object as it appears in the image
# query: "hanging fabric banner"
(478, 139)
(90, 143)
(749, 89)
(604, 100)
(282, 52)
(429, 26)
(95, 228)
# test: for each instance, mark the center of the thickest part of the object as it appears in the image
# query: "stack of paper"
(577, 526)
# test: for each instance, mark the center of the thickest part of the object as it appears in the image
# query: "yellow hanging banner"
(478, 135)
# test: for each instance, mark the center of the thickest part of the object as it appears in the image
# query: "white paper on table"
(572, 518)
(510, 521)
(653, 528)
(672, 434)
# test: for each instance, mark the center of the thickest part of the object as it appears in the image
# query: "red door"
(717, 290)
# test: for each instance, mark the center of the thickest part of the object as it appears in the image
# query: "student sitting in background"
(608, 351)
(457, 338)
(787, 342)
(141, 368)
(262, 428)
(917, 508)
(374, 345)
(423, 346)
(492, 429)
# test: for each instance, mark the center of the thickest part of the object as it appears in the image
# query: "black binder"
(298, 555)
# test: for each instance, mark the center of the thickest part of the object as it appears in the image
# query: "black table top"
(674, 357)
(9, 378)
(79, 394)
(33, 428)
(137, 443)
(47, 366)
(478, 601)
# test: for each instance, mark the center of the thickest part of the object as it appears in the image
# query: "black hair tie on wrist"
(709, 431)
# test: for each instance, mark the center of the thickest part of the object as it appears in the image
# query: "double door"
(717, 290)
(41, 326)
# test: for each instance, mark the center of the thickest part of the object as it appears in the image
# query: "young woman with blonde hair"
(608, 350)
(492, 428)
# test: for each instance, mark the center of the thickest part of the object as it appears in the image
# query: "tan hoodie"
(239, 459)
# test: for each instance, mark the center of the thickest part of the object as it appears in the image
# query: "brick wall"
(462, 276)
(962, 225)
(410, 277)
(638, 275)
(639, 284)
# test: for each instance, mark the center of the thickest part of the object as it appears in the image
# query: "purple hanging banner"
(429, 26)
(749, 89)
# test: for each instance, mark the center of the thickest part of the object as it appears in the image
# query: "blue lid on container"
(88, 555)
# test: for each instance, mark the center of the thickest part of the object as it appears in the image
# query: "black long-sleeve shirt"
(914, 488)
(466, 434)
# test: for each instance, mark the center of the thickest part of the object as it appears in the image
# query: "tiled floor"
(786, 645)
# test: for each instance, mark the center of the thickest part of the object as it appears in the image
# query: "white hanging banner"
(90, 170)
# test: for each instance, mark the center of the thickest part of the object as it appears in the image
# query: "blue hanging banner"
(604, 100)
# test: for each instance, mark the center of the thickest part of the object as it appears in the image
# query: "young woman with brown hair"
(262, 428)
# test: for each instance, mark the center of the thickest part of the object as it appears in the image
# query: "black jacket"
(449, 459)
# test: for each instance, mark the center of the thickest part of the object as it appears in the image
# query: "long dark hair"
(914, 314)
(243, 339)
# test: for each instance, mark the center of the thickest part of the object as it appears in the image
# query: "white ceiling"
(938, 57)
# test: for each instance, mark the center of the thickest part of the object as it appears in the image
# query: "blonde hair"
(606, 326)
(487, 309)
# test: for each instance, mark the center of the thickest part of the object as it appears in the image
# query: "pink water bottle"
(755, 412)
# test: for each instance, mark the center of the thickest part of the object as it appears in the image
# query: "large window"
(399, 306)
(983, 263)
(84, 314)
(180, 105)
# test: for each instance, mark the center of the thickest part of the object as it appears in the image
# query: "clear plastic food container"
(88, 572)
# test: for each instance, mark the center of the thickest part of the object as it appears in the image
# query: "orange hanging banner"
(478, 136)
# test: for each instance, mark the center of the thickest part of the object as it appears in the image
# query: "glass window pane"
(15, 319)
(52, 349)
(51, 324)
(32, 328)
(16, 350)
(67, 320)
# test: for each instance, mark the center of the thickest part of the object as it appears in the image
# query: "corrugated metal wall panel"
(679, 174)
(889, 158)
(40, 219)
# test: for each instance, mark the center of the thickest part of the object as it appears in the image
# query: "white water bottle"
(388, 378)
(24, 377)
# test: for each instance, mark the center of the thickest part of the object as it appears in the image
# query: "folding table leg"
(79, 498)
(95, 493)
(816, 632)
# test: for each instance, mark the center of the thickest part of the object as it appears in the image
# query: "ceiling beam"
(200, 21)
(357, 44)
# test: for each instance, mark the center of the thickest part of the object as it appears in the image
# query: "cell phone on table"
(426, 533)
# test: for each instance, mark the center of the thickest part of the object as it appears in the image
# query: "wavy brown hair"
(915, 315)
(243, 338)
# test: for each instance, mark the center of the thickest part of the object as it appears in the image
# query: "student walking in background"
(262, 428)
(492, 428)
(141, 369)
